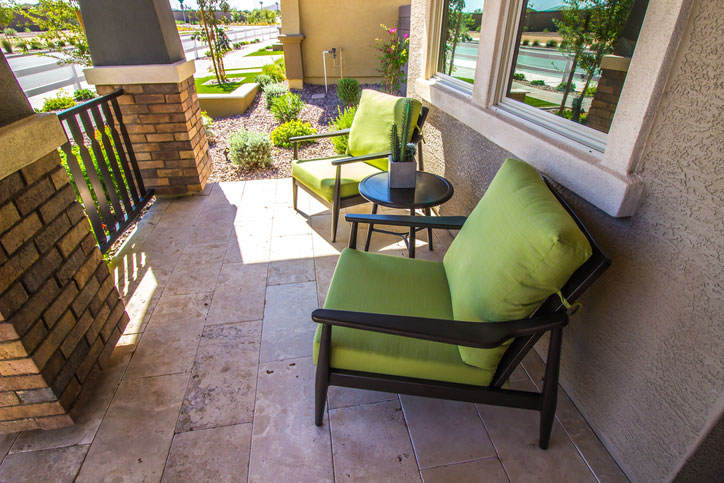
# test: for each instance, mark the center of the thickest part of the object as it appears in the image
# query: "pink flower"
(393, 30)
(406, 35)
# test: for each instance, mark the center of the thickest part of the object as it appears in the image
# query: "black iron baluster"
(121, 152)
(129, 146)
(84, 191)
(90, 171)
(113, 160)
(110, 191)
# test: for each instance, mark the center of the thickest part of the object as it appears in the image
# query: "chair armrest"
(437, 222)
(364, 157)
(320, 135)
(484, 335)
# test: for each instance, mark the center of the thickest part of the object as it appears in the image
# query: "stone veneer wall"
(165, 126)
(60, 312)
(643, 359)
(605, 101)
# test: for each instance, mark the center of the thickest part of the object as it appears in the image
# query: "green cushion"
(370, 282)
(370, 131)
(319, 175)
(518, 246)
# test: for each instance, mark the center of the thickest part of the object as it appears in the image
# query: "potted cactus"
(402, 166)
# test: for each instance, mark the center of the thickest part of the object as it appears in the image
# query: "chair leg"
(429, 231)
(295, 190)
(335, 221)
(321, 380)
(369, 229)
(550, 388)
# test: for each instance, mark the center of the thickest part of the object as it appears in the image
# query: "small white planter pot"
(402, 174)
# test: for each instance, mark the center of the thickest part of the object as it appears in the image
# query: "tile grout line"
(409, 435)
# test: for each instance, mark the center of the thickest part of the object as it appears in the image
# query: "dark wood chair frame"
(552, 316)
(337, 201)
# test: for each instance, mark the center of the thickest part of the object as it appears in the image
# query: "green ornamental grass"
(342, 121)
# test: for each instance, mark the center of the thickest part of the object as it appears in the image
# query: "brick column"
(608, 92)
(60, 312)
(165, 127)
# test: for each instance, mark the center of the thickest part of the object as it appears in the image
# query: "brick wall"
(605, 101)
(165, 126)
(60, 312)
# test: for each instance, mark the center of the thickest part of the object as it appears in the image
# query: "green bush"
(562, 86)
(62, 100)
(272, 91)
(526, 42)
(537, 83)
(9, 32)
(7, 46)
(342, 121)
(280, 136)
(519, 76)
(22, 45)
(250, 149)
(287, 107)
(237, 45)
(536, 43)
(35, 44)
(591, 91)
(552, 43)
(263, 80)
(275, 71)
(348, 91)
(83, 95)
(208, 127)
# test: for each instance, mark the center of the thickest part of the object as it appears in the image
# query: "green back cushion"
(370, 131)
(517, 247)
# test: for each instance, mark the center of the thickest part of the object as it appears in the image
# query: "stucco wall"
(351, 25)
(643, 359)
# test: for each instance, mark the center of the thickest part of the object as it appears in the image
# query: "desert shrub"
(250, 149)
(263, 80)
(519, 76)
(552, 43)
(562, 86)
(591, 91)
(7, 46)
(275, 71)
(62, 100)
(536, 43)
(60, 43)
(280, 136)
(9, 32)
(83, 95)
(342, 121)
(208, 127)
(272, 91)
(526, 42)
(287, 107)
(537, 83)
(35, 44)
(22, 45)
(236, 45)
(348, 91)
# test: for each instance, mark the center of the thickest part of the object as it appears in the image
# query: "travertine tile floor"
(213, 378)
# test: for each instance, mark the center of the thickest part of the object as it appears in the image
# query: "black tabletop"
(430, 190)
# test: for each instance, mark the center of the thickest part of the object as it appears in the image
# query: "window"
(569, 64)
(460, 39)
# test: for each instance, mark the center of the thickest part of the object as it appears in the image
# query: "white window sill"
(571, 164)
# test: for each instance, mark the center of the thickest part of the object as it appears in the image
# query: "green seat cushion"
(517, 247)
(370, 131)
(370, 282)
(319, 176)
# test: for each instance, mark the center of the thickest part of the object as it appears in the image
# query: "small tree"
(63, 25)
(590, 29)
(6, 14)
(458, 25)
(214, 35)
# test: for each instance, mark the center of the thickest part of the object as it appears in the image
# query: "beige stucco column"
(291, 37)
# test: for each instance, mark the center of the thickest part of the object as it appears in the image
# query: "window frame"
(605, 178)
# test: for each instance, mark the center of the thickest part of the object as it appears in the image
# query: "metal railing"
(102, 166)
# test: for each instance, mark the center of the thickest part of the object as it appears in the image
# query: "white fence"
(38, 75)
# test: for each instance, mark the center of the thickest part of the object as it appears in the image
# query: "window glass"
(460, 38)
(571, 57)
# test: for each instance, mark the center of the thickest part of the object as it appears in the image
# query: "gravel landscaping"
(318, 112)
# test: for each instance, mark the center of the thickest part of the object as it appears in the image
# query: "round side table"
(430, 190)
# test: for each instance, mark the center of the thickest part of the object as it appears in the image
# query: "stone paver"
(213, 380)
